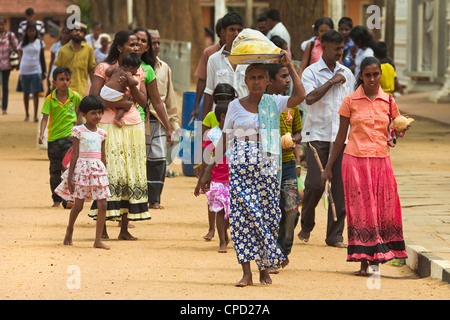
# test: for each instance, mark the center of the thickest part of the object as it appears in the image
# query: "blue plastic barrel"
(188, 106)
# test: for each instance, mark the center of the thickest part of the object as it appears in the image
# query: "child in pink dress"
(86, 178)
(218, 193)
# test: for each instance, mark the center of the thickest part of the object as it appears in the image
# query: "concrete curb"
(426, 264)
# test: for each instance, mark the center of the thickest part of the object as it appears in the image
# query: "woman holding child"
(252, 124)
(125, 146)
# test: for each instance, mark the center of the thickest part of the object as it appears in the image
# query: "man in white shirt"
(326, 83)
(30, 17)
(277, 28)
(220, 69)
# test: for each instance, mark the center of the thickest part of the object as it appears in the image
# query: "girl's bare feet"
(223, 244)
(209, 235)
(99, 244)
(264, 277)
(68, 237)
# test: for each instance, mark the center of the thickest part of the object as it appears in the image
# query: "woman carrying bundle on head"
(252, 124)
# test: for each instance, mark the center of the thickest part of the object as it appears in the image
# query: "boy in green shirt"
(59, 112)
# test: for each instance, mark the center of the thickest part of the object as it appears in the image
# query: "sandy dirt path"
(170, 261)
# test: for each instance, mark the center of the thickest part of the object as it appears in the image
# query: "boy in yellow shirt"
(389, 81)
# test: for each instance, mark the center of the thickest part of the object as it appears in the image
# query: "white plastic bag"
(250, 41)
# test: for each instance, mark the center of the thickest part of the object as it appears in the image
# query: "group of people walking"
(251, 177)
(345, 127)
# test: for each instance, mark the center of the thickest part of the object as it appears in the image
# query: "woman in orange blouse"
(371, 199)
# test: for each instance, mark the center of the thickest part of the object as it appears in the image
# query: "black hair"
(224, 92)
(278, 41)
(362, 37)
(274, 14)
(367, 61)
(321, 21)
(332, 36)
(148, 56)
(26, 39)
(273, 69)
(61, 70)
(2, 19)
(29, 12)
(262, 18)
(347, 21)
(380, 50)
(120, 39)
(221, 108)
(232, 18)
(91, 102)
(96, 23)
(131, 60)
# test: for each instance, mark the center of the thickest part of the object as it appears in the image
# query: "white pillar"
(220, 9)
(249, 14)
(335, 11)
(443, 95)
(130, 11)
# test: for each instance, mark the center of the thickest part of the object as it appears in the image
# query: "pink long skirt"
(374, 216)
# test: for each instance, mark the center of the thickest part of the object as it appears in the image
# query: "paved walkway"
(426, 215)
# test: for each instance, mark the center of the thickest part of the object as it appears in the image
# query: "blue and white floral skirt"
(254, 209)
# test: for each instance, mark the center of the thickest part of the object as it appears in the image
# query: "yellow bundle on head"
(251, 41)
(402, 122)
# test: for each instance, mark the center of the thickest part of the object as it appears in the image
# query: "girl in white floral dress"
(86, 178)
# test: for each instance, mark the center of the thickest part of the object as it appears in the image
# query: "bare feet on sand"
(245, 281)
(125, 235)
(209, 235)
(264, 277)
(68, 237)
(100, 245)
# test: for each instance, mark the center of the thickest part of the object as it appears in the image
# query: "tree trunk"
(298, 17)
(389, 30)
(178, 20)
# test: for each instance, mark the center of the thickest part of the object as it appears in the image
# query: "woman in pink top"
(125, 147)
(371, 199)
(313, 50)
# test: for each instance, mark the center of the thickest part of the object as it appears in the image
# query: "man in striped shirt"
(30, 17)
